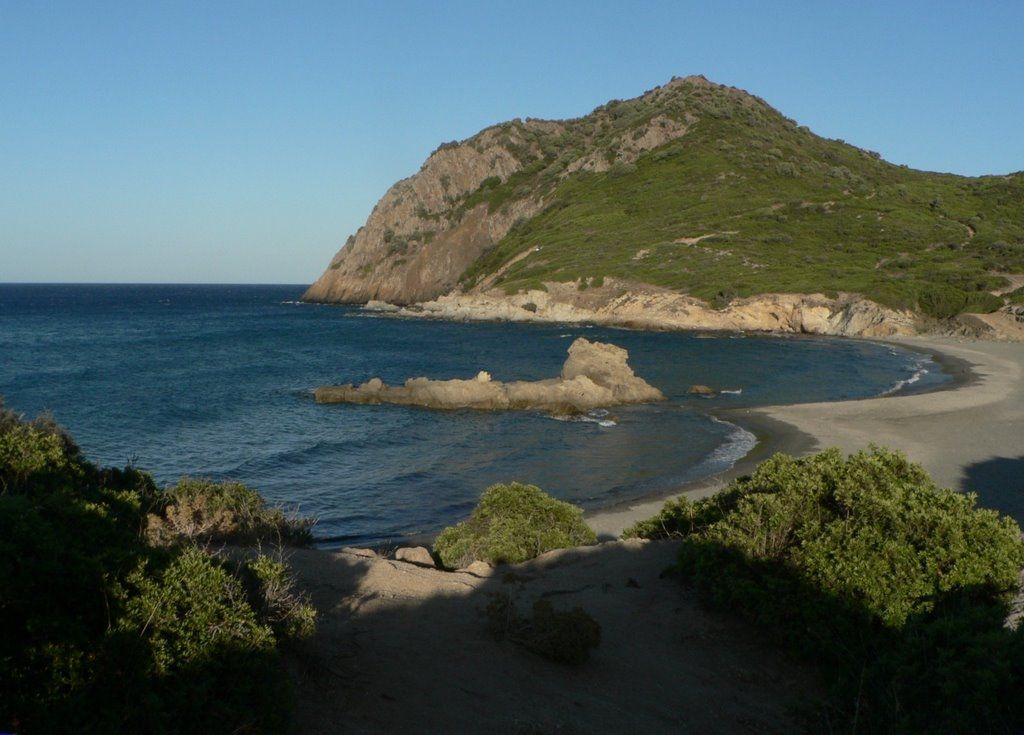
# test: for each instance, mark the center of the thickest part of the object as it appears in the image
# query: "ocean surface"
(216, 381)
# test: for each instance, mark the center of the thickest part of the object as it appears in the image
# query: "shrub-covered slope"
(697, 187)
(118, 615)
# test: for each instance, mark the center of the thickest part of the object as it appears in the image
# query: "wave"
(597, 416)
(901, 384)
(737, 392)
(737, 445)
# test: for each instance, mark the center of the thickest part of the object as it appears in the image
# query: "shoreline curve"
(974, 421)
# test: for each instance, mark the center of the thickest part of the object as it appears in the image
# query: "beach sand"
(969, 436)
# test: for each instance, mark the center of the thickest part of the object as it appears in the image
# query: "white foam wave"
(738, 391)
(736, 446)
(901, 384)
(597, 416)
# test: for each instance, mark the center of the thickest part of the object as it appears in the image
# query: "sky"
(242, 142)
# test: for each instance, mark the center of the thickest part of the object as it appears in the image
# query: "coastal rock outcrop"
(594, 375)
(642, 306)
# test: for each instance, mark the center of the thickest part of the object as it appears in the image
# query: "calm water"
(216, 381)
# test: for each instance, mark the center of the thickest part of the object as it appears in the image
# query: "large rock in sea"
(595, 375)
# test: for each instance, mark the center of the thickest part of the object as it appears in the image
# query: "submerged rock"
(702, 390)
(594, 375)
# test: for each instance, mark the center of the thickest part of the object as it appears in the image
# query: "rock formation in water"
(595, 375)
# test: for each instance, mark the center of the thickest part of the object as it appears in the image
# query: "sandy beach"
(969, 435)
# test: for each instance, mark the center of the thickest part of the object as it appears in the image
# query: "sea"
(216, 381)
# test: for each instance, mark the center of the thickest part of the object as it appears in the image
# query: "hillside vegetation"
(709, 191)
(776, 208)
(900, 589)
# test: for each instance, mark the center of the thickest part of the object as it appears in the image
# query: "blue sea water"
(216, 381)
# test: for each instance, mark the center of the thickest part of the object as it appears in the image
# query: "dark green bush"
(982, 302)
(107, 633)
(562, 636)
(189, 608)
(864, 564)
(945, 302)
(513, 523)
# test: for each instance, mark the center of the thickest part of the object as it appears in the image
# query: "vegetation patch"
(230, 512)
(513, 523)
(900, 588)
(112, 633)
(562, 636)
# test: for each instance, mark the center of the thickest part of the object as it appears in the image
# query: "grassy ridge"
(779, 210)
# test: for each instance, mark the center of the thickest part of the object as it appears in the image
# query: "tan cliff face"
(421, 236)
(408, 251)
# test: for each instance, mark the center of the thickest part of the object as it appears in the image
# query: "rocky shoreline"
(640, 306)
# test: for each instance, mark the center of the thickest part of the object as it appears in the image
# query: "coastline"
(966, 433)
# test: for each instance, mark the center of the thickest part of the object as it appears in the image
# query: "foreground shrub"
(864, 564)
(562, 636)
(513, 523)
(107, 633)
(202, 510)
(273, 588)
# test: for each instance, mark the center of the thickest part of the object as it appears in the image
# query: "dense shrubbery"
(222, 511)
(108, 633)
(513, 523)
(943, 302)
(899, 587)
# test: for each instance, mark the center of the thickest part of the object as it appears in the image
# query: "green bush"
(197, 509)
(288, 612)
(189, 608)
(856, 561)
(982, 302)
(513, 523)
(945, 302)
(111, 633)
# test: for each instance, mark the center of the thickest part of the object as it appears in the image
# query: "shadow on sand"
(402, 648)
(999, 483)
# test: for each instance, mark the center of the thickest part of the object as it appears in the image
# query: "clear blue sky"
(242, 142)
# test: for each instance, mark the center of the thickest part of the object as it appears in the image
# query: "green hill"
(738, 200)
